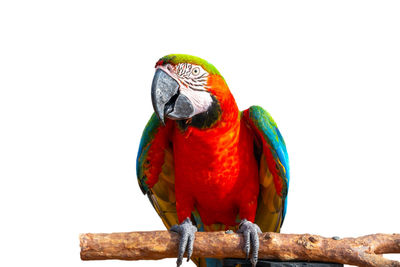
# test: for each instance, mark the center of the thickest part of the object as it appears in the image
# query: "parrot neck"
(223, 112)
(229, 109)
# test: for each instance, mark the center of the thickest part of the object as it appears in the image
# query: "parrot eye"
(196, 71)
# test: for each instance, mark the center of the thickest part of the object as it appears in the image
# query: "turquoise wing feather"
(149, 134)
(273, 169)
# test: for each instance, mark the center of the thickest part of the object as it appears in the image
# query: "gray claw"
(186, 230)
(250, 234)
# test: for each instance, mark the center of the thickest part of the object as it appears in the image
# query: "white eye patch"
(201, 100)
(190, 71)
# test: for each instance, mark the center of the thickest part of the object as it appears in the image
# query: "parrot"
(207, 166)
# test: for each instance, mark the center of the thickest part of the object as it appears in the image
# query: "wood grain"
(361, 251)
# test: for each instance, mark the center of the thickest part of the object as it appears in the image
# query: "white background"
(75, 81)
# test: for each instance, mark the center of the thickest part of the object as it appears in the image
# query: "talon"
(251, 242)
(187, 231)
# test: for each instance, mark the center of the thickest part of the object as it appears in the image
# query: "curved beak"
(167, 101)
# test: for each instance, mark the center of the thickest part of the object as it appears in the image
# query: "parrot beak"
(167, 101)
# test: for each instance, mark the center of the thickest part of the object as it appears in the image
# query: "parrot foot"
(186, 230)
(250, 233)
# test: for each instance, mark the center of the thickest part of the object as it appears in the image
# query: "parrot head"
(187, 88)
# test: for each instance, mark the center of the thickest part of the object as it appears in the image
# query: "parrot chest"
(214, 172)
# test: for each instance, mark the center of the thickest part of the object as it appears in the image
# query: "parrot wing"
(270, 150)
(155, 170)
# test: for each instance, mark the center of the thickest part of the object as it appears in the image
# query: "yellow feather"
(264, 173)
(162, 194)
(269, 209)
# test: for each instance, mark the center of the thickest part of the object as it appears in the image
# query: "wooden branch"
(362, 251)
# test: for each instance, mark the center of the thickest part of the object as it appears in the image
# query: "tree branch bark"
(361, 251)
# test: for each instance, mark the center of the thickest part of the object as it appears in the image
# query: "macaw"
(206, 166)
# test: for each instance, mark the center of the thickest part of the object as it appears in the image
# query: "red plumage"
(215, 168)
